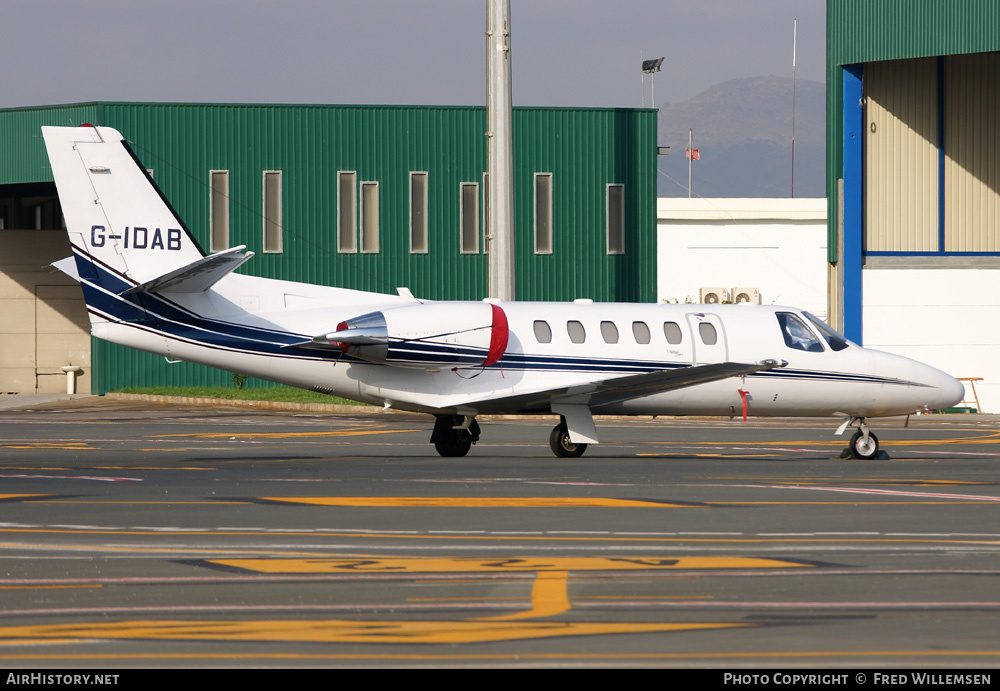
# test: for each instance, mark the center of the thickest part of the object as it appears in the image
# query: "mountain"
(743, 131)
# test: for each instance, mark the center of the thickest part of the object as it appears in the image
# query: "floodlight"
(651, 66)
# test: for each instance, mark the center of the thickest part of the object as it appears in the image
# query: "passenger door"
(708, 338)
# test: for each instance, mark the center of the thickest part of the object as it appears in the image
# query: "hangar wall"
(44, 325)
(377, 197)
(913, 180)
(948, 318)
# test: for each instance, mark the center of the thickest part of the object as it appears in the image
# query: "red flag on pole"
(692, 154)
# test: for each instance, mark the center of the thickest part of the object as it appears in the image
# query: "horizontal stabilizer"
(198, 276)
(68, 267)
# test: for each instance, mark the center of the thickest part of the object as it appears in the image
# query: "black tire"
(561, 445)
(861, 450)
(454, 444)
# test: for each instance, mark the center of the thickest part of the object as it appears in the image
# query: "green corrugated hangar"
(913, 181)
(364, 197)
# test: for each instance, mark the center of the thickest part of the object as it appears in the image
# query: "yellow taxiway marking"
(403, 565)
(992, 438)
(67, 446)
(51, 587)
(22, 496)
(480, 502)
(549, 597)
(285, 435)
(707, 455)
(334, 631)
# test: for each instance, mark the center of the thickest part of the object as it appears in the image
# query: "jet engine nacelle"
(427, 335)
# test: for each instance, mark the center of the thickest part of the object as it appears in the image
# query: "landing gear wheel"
(454, 435)
(561, 445)
(453, 444)
(862, 449)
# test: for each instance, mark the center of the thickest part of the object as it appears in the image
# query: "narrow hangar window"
(369, 217)
(469, 217)
(218, 205)
(347, 211)
(543, 213)
(418, 212)
(616, 218)
(272, 211)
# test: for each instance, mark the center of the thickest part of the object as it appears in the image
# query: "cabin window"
(219, 210)
(347, 211)
(543, 333)
(577, 334)
(796, 334)
(418, 213)
(640, 332)
(672, 332)
(609, 331)
(272, 211)
(709, 336)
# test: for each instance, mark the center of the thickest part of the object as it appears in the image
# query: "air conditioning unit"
(713, 296)
(751, 295)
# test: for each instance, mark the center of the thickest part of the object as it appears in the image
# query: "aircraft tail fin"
(124, 232)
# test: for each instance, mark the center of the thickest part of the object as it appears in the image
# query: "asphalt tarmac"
(138, 535)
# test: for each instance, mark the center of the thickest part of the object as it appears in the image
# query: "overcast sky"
(565, 52)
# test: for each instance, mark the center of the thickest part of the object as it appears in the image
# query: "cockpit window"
(833, 339)
(796, 334)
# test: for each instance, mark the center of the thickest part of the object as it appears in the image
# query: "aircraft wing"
(614, 390)
(574, 403)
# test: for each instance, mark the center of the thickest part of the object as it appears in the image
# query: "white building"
(946, 318)
(776, 246)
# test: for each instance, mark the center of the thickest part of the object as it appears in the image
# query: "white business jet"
(148, 285)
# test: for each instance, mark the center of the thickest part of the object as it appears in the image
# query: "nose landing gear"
(864, 444)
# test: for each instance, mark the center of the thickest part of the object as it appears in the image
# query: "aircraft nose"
(945, 390)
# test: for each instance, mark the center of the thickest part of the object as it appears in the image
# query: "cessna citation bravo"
(148, 285)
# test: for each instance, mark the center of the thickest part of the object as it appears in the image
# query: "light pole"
(650, 67)
(500, 187)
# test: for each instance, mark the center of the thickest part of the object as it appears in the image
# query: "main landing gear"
(864, 443)
(454, 435)
(561, 445)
